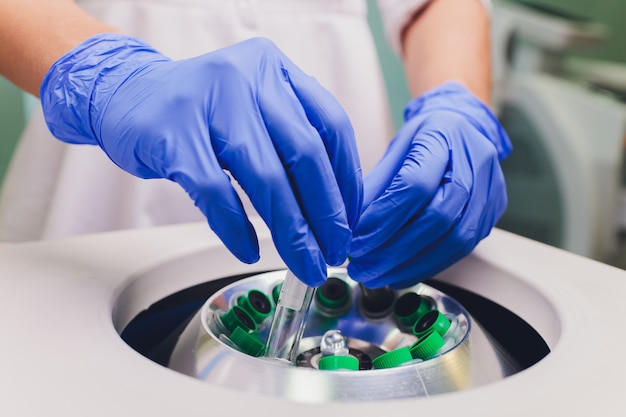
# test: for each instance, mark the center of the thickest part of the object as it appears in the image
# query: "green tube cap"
(247, 342)
(338, 362)
(392, 358)
(427, 346)
(238, 317)
(257, 304)
(276, 292)
(409, 308)
(433, 320)
(334, 297)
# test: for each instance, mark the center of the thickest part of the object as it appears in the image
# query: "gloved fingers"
(409, 191)
(330, 120)
(422, 274)
(486, 201)
(377, 181)
(210, 188)
(489, 198)
(459, 242)
(415, 236)
(275, 201)
(250, 156)
(188, 160)
(228, 220)
(448, 249)
(309, 169)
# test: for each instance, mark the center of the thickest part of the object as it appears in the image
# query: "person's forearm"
(449, 41)
(35, 33)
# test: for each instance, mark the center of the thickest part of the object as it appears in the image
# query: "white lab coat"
(54, 190)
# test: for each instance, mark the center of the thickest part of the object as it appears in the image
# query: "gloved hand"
(437, 191)
(245, 109)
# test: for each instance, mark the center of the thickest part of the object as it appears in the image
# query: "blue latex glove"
(437, 191)
(246, 110)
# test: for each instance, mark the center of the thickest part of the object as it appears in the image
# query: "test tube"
(289, 320)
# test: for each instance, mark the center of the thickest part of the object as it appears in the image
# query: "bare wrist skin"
(449, 40)
(35, 33)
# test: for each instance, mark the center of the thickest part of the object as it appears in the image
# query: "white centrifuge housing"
(66, 305)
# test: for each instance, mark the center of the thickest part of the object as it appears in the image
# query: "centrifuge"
(165, 321)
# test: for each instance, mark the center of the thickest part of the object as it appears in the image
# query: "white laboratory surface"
(63, 305)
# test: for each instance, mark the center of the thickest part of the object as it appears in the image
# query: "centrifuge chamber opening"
(393, 350)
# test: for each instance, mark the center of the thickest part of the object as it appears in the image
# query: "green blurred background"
(13, 103)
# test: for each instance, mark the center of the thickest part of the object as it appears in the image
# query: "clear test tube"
(289, 320)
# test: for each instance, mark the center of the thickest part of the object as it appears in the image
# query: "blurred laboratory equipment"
(564, 178)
